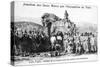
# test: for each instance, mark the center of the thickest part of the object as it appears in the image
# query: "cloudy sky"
(34, 13)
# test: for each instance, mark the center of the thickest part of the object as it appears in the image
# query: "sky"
(32, 13)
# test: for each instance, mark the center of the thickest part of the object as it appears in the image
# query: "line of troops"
(79, 43)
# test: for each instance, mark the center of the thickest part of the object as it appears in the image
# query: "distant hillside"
(27, 19)
(29, 26)
(87, 27)
(24, 23)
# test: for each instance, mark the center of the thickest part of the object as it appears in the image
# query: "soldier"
(65, 42)
(93, 44)
(53, 41)
(59, 39)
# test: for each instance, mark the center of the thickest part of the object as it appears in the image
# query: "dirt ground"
(41, 59)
